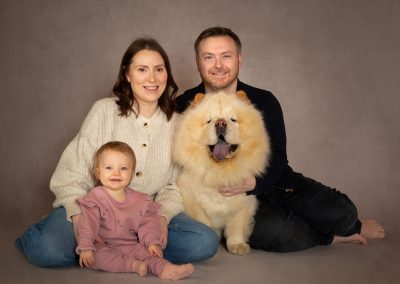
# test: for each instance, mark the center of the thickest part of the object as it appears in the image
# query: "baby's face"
(115, 169)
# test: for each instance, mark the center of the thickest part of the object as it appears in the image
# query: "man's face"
(218, 62)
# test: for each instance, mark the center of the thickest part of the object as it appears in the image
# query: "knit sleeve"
(170, 198)
(72, 178)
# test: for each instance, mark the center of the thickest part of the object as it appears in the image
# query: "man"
(295, 212)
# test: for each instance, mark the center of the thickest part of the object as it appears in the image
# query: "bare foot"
(371, 229)
(176, 272)
(139, 267)
(355, 239)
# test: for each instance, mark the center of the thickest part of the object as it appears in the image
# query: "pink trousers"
(119, 258)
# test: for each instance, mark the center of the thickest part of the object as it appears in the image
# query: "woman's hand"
(163, 231)
(155, 250)
(86, 258)
(245, 186)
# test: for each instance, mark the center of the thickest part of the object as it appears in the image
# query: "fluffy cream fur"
(202, 174)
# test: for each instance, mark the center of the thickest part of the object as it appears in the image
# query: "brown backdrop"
(334, 66)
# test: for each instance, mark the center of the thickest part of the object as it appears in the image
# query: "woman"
(140, 114)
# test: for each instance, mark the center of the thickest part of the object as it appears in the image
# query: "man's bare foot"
(176, 272)
(355, 239)
(371, 229)
(139, 267)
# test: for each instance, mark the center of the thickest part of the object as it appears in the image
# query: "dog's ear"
(197, 99)
(242, 95)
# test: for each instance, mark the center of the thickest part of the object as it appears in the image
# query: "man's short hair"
(217, 31)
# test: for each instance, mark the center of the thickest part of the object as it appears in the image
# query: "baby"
(119, 230)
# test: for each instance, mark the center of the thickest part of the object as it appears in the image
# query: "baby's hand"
(87, 258)
(155, 250)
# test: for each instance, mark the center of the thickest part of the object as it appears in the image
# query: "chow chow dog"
(221, 140)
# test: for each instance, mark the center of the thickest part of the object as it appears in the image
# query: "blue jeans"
(51, 242)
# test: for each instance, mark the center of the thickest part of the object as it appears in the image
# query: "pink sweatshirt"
(132, 221)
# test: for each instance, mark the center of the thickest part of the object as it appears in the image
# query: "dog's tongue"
(221, 150)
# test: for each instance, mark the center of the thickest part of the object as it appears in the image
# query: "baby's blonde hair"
(115, 146)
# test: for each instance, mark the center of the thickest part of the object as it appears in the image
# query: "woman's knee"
(201, 244)
(49, 243)
(51, 255)
(190, 241)
(206, 244)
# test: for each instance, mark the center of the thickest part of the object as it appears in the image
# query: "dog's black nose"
(220, 126)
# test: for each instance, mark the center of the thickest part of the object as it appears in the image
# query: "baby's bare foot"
(139, 267)
(371, 229)
(176, 272)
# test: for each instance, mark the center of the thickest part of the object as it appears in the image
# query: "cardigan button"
(139, 174)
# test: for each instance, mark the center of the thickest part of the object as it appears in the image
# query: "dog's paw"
(239, 249)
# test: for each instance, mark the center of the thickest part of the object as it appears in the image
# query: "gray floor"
(378, 262)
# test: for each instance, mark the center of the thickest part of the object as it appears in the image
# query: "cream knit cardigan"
(151, 139)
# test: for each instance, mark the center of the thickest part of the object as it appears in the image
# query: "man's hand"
(163, 231)
(155, 250)
(245, 186)
(86, 258)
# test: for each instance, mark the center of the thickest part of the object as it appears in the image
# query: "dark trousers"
(300, 214)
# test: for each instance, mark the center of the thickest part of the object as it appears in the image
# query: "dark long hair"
(122, 88)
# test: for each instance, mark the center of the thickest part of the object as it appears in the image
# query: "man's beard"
(215, 85)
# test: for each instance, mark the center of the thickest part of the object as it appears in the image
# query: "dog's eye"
(209, 121)
(233, 119)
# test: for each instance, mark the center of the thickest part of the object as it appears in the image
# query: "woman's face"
(148, 77)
